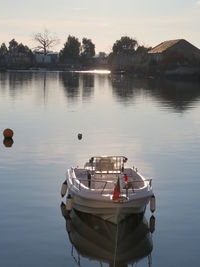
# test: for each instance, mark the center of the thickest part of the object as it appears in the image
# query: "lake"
(156, 124)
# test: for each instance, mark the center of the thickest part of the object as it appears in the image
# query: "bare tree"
(45, 41)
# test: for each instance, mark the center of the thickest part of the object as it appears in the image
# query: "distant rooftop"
(164, 46)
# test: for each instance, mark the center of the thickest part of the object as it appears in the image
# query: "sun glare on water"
(95, 71)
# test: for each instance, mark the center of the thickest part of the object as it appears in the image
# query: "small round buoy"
(64, 189)
(8, 133)
(69, 203)
(80, 136)
(8, 142)
(153, 204)
(152, 222)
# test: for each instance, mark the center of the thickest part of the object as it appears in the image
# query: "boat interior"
(103, 172)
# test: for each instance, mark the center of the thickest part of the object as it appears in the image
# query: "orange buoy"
(8, 133)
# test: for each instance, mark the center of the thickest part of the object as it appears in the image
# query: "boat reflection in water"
(118, 245)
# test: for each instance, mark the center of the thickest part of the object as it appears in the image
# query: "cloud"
(198, 2)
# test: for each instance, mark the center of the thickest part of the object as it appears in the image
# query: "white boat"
(108, 189)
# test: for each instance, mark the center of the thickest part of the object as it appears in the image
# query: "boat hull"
(113, 211)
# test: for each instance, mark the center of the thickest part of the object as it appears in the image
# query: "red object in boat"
(116, 193)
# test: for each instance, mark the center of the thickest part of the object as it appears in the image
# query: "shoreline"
(165, 75)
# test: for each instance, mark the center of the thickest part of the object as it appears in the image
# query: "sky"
(104, 21)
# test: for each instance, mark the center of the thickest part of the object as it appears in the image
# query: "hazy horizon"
(104, 22)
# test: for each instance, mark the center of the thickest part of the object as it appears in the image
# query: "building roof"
(164, 46)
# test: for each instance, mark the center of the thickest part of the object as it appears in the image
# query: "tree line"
(15, 54)
(72, 52)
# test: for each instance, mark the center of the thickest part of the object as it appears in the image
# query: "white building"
(49, 58)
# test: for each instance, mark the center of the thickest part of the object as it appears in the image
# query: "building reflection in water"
(177, 95)
(117, 245)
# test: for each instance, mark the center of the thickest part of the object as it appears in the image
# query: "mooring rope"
(116, 240)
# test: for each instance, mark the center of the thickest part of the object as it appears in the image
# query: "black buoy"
(80, 136)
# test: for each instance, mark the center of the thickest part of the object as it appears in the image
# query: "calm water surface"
(155, 124)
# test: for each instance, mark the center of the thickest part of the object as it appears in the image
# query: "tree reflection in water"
(175, 95)
(70, 82)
